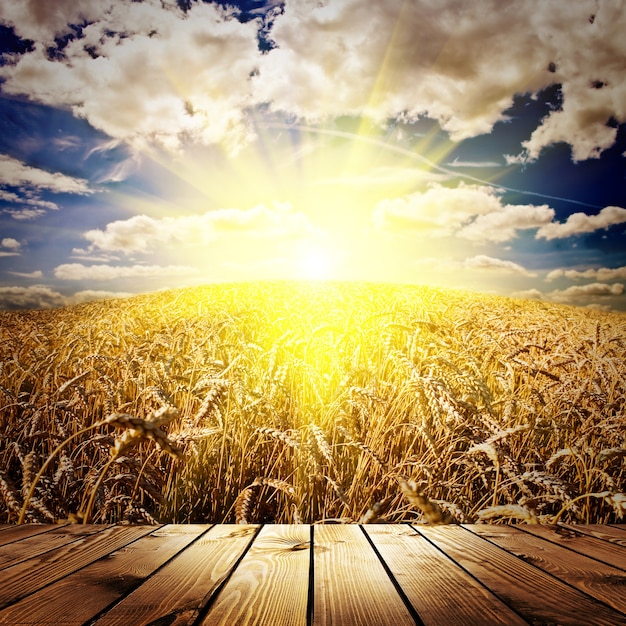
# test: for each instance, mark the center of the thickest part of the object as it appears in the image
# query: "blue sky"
(149, 145)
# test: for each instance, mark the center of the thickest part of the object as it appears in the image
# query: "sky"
(468, 144)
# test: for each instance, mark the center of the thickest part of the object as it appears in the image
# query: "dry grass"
(312, 402)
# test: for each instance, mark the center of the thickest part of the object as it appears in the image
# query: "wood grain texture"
(270, 585)
(435, 585)
(536, 595)
(177, 593)
(600, 547)
(599, 580)
(391, 575)
(42, 542)
(612, 534)
(10, 534)
(103, 582)
(351, 585)
(27, 577)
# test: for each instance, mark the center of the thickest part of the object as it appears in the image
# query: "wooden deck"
(342, 575)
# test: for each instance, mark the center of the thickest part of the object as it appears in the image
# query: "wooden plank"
(13, 533)
(610, 552)
(606, 533)
(599, 580)
(175, 575)
(531, 592)
(22, 579)
(103, 582)
(43, 542)
(439, 590)
(270, 585)
(350, 584)
(176, 594)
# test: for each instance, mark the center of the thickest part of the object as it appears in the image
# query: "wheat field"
(313, 402)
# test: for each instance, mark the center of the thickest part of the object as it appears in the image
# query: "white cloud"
(590, 60)
(460, 63)
(483, 262)
(142, 233)
(528, 294)
(579, 223)
(439, 211)
(554, 274)
(457, 163)
(67, 142)
(35, 274)
(10, 243)
(10, 247)
(9, 196)
(502, 225)
(43, 21)
(161, 76)
(577, 293)
(175, 76)
(478, 263)
(18, 174)
(120, 168)
(469, 211)
(34, 297)
(477, 213)
(78, 271)
(43, 297)
(601, 274)
(386, 58)
(587, 140)
(83, 255)
(136, 234)
(23, 215)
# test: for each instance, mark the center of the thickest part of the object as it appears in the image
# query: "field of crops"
(307, 402)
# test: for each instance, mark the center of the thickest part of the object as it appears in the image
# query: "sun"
(316, 263)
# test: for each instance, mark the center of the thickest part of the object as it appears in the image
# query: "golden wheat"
(305, 402)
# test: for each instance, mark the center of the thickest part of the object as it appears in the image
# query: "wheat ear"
(47, 462)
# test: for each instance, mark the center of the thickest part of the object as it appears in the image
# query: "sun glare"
(315, 263)
(306, 210)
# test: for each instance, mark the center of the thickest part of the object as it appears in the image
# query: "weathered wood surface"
(301, 575)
